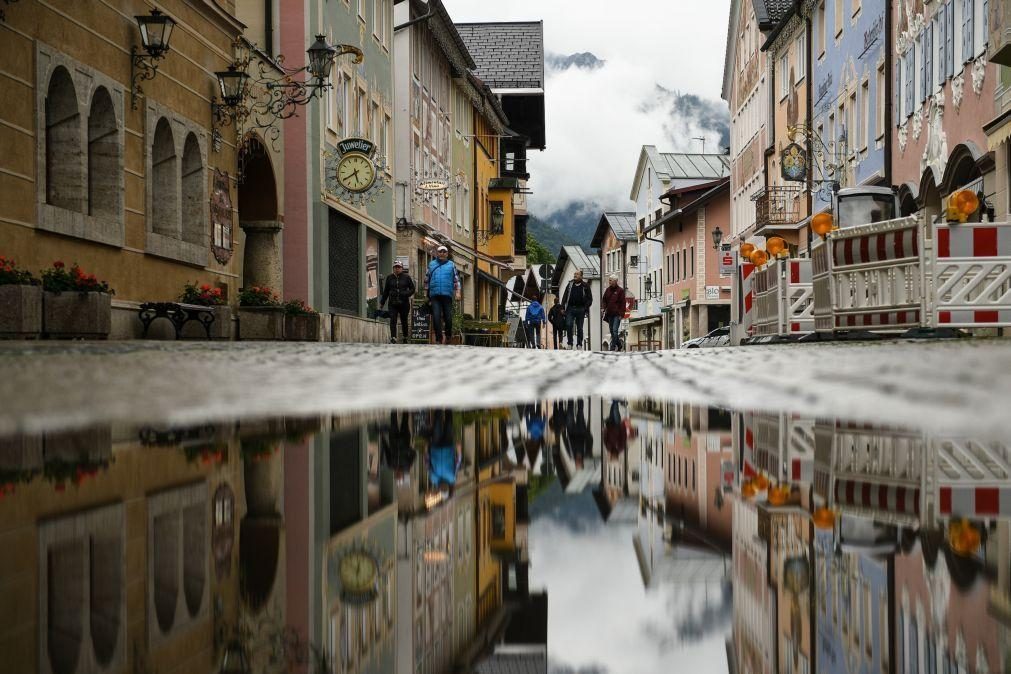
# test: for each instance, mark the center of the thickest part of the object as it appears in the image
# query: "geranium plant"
(258, 296)
(11, 275)
(59, 279)
(204, 295)
(298, 308)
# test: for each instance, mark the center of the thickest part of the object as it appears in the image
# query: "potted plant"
(301, 322)
(261, 315)
(76, 305)
(206, 296)
(20, 302)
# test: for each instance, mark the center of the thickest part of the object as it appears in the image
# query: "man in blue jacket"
(534, 320)
(443, 283)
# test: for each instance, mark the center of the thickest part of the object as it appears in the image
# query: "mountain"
(690, 115)
(584, 60)
(551, 237)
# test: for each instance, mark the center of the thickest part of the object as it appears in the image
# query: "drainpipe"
(268, 23)
(889, 69)
(408, 24)
(810, 120)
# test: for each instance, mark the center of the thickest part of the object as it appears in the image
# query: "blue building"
(850, 63)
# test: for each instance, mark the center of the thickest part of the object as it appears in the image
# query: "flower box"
(76, 315)
(261, 323)
(221, 328)
(20, 311)
(302, 327)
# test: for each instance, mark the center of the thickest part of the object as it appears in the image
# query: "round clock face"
(355, 172)
(358, 572)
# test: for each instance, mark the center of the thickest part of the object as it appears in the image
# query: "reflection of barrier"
(784, 298)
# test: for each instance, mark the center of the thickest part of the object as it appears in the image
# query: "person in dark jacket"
(556, 317)
(534, 319)
(613, 309)
(399, 289)
(576, 301)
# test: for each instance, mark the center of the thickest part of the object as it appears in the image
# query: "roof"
(622, 223)
(446, 36)
(590, 266)
(792, 9)
(681, 168)
(514, 663)
(768, 13)
(722, 186)
(509, 55)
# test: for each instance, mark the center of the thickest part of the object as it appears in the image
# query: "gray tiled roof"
(514, 663)
(770, 12)
(582, 261)
(623, 225)
(686, 166)
(509, 55)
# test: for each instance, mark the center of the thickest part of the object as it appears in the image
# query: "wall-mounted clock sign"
(359, 576)
(354, 172)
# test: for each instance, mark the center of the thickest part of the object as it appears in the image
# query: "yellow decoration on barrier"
(822, 224)
(775, 245)
(759, 257)
(961, 205)
(824, 518)
(746, 250)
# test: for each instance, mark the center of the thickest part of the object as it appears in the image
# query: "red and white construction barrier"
(743, 302)
(972, 275)
(784, 298)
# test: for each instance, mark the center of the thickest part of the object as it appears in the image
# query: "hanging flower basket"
(75, 305)
(20, 302)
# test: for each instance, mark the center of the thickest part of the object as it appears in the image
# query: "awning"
(442, 239)
(643, 320)
(998, 131)
(498, 282)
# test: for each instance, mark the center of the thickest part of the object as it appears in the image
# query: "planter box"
(74, 315)
(20, 312)
(304, 328)
(261, 323)
(221, 328)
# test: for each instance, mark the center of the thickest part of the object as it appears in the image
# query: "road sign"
(728, 260)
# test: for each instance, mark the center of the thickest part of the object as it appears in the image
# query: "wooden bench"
(178, 313)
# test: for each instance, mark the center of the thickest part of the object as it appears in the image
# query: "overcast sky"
(596, 121)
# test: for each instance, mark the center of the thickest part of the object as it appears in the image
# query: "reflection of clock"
(355, 172)
(359, 576)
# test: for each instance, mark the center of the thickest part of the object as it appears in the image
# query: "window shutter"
(910, 81)
(928, 58)
(923, 65)
(939, 27)
(949, 37)
(897, 112)
(969, 36)
(986, 22)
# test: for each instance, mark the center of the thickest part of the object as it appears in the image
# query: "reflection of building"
(755, 608)
(617, 494)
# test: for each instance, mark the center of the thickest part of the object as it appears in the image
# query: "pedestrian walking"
(443, 283)
(399, 290)
(556, 317)
(613, 310)
(534, 319)
(576, 301)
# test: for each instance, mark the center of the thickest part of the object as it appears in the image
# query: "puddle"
(585, 535)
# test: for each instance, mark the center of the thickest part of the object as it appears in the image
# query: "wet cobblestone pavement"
(942, 386)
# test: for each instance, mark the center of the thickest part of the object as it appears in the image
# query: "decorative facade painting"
(221, 218)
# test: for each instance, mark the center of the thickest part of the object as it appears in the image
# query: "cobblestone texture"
(956, 386)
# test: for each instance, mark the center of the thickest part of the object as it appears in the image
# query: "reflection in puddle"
(430, 540)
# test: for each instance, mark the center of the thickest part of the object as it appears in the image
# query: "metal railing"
(777, 205)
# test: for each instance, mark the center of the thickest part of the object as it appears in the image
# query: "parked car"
(718, 337)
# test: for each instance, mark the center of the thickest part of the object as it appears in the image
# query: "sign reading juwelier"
(355, 172)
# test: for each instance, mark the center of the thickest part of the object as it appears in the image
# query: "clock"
(355, 172)
(359, 576)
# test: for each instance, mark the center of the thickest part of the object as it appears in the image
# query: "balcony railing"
(777, 205)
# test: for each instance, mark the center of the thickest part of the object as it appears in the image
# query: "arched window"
(164, 182)
(65, 597)
(106, 595)
(194, 556)
(165, 554)
(195, 211)
(103, 157)
(64, 179)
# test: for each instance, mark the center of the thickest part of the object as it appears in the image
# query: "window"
(928, 60)
(376, 119)
(838, 17)
(852, 133)
(949, 38)
(968, 10)
(164, 181)
(363, 112)
(910, 63)
(801, 56)
(64, 179)
(104, 155)
(879, 93)
(361, 9)
(347, 105)
(784, 75)
(865, 113)
(193, 203)
(385, 144)
(940, 29)
(693, 261)
(856, 7)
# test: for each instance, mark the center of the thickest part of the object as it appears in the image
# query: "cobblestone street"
(942, 386)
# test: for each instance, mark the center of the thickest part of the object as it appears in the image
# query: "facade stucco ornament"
(903, 136)
(978, 74)
(917, 123)
(957, 90)
(935, 150)
(902, 43)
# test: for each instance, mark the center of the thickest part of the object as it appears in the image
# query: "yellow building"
(121, 173)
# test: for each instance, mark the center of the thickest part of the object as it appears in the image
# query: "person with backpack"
(613, 310)
(556, 317)
(534, 319)
(443, 283)
(576, 301)
(399, 289)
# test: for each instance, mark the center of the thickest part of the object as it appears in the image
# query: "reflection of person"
(443, 283)
(397, 443)
(615, 433)
(577, 432)
(534, 441)
(443, 457)
(398, 289)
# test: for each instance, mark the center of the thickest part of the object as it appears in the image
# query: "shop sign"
(712, 292)
(793, 163)
(355, 172)
(728, 261)
(221, 218)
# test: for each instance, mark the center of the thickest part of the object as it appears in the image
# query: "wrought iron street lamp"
(155, 32)
(717, 237)
(232, 85)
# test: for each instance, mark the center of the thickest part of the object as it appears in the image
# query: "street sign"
(712, 292)
(728, 261)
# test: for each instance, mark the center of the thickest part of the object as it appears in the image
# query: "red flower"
(59, 264)
(205, 287)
